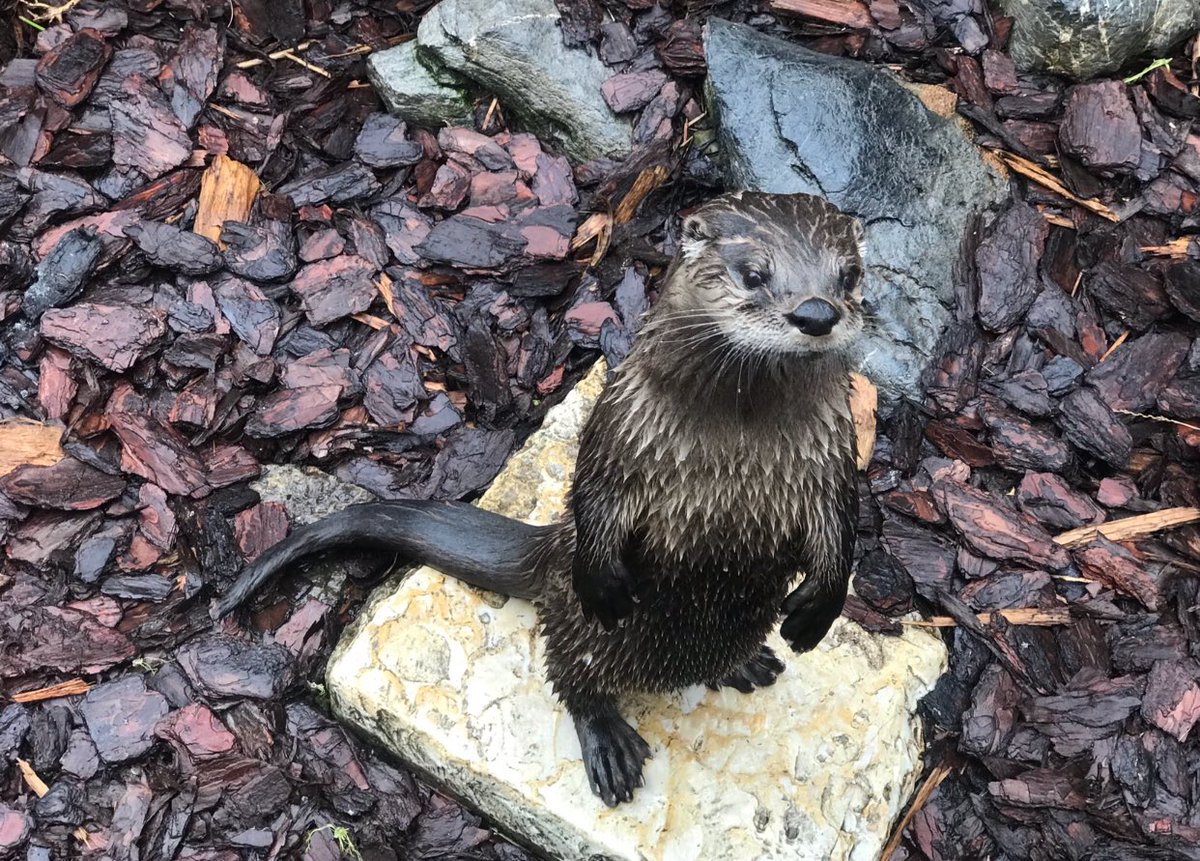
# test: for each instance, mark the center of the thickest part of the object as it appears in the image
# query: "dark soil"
(400, 306)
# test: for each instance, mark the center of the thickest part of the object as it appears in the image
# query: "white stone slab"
(816, 767)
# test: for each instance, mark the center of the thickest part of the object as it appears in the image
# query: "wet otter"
(717, 463)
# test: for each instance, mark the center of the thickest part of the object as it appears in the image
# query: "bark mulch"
(218, 252)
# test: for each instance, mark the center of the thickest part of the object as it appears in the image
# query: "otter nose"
(814, 317)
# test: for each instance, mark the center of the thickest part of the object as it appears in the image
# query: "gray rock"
(790, 120)
(307, 493)
(411, 90)
(514, 49)
(1086, 38)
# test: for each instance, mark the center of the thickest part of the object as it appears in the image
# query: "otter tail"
(481, 548)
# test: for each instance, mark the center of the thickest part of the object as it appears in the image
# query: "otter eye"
(754, 279)
(849, 278)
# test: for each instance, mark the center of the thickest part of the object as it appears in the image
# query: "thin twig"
(932, 782)
(1032, 616)
(1130, 527)
(62, 689)
(1035, 172)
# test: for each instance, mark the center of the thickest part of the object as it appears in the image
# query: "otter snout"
(814, 317)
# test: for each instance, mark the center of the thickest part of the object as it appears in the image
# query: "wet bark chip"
(121, 717)
(225, 666)
(69, 71)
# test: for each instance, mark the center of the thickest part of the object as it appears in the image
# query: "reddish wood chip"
(198, 730)
(1039, 788)
(450, 186)
(57, 387)
(156, 520)
(471, 243)
(1007, 259)
(289, 410)
(69, 70)
(393, 385)
(960, 444)
(1181, 399)
(993, 529)
(1116, 567)
(254, 317)
(121, 716)
(1100, 127)
(1132, 377)
(554, 183)
(228, 464)
(1019, 444)
(1133, 294)
(999, 72)
(155, 451)
(56, 639)
(589, 317)
(259, 527)
(333, 289)
(501, 188)
(322, 368)
(147, 135)
(322, 245)
(221, 665)
(1052, 501)
(682, 51)
(926, 556)
(69, 485)
(181, 250)
(1091, 425)
(1172, 701)
(486, 150)
(115, 336)
(49, 536)
(1116, 492)
(303, 632)
(917, 504)
(632, 91)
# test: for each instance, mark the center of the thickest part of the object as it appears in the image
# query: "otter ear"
(696, 232)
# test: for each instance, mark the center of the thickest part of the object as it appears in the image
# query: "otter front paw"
(759, 672)
(809, 613)
(606, 591)
(613, 754)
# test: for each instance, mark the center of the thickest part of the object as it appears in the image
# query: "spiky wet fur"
(716, 464)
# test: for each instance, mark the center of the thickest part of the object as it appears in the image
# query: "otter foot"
(613, 754)
(758, 672)
(810, 611)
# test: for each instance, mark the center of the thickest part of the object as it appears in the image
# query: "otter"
(718, 462)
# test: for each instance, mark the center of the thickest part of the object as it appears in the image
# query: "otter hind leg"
(613, 752)
(759, 672)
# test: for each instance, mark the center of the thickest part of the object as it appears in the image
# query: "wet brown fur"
(716, 464)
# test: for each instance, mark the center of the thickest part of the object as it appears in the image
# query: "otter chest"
(732, 495)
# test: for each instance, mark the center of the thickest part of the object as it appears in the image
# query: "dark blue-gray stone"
(791, 120)
(1088, 38)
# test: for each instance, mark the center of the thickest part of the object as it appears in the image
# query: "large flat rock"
(816, 767)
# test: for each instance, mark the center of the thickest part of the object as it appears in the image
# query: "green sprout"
(1157, 64)
(34, 24)
(341, 836)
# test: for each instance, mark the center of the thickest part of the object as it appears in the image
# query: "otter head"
(772, 273)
